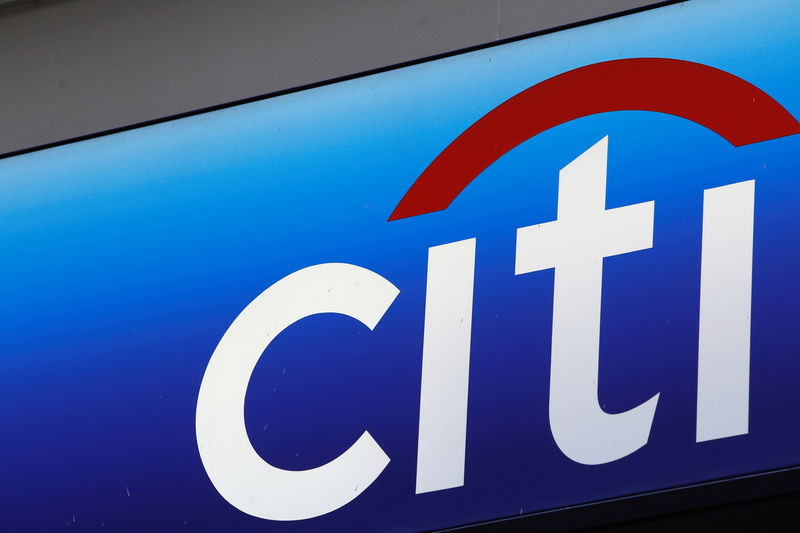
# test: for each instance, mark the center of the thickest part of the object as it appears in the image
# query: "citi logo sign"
(574, 244)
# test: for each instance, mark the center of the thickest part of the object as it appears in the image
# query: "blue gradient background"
(126, 257)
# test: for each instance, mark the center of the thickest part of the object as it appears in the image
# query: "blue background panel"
(125, 258)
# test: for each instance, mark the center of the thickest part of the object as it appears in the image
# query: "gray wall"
(74, 67)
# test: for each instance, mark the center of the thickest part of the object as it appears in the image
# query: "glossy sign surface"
(588, 240)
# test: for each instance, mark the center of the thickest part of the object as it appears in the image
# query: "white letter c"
(239, 474)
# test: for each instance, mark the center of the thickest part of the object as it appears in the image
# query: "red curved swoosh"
(733, 108)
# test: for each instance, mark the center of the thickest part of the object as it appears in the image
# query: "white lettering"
(726, 272)
(445, 366)
(575, 245)
(239, 474)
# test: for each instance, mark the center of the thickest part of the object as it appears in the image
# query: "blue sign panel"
(546, 273)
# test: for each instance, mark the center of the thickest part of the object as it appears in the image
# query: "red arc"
(736, 110)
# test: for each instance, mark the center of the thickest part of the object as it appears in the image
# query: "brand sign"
(542, 274)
